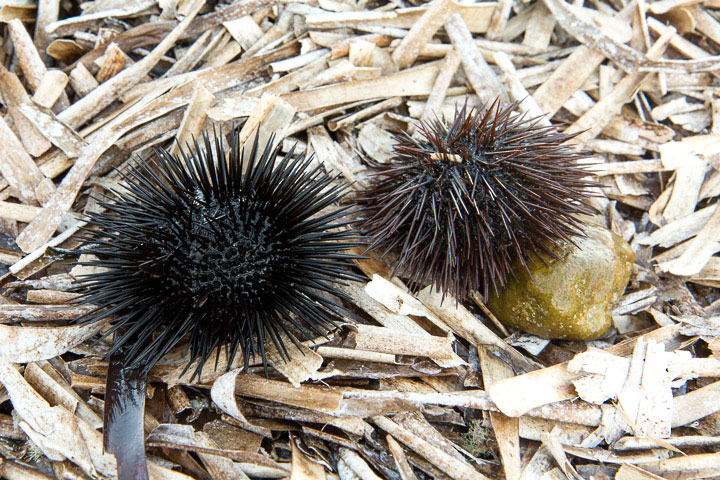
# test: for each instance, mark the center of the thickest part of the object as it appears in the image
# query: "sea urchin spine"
(462, 202)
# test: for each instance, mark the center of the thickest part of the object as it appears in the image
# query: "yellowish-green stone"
(570, 297)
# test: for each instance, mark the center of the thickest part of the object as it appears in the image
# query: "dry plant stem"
(64, 50)
(52, 87)
(244, 30)
(16, 165)
(539, 29)
(567, 79)
(632, 472)
(354, 354)
(66, 139)
(26, 344)
(145, 34)
(417, 424)
(218, 466)
(341, 47)
(634, 443)
(356, 426)
(477, 17)
(40, 313)
(606, 456)
(479, 302)
(684, 46)
(272, 114)
(398, 299)
(30, 61)
(705, 22)
(113, 61)
(294, 63)
(340, 72)
(361, 53)
(625, 168)
(364, 113)
(615, 147)
(192, 56)
(416, 81)
(337, 157)
(46, 380)
(281, 27)
(15, 95)
(689, 177)
(641, 19)
(499, 20)
(8, 258)
(464, 323)
(313, 74)
(518, 91)
(401, 461)
(506, 428)
(664, 6)
(345, 472)
(109, 91)
(193, 119)
(50, 297)
(442, 83)
(300, 364)
(307, 397)
(16, 268)
(82, 80)
(538, 464)
(696, 404)
(48, 12)
(693, 466)
(40, 418)
(581, 413)
(380, 313)
(309, 122)
(699, 251)
(421, 32)
(385, 340)
(357, 464)
(355, 402)
(71, 25)
(329, 437)
(553, 445)
(229, 51)
(625, 57)
(590, 124)
(449, 465)
(37, 232)
(481, 76)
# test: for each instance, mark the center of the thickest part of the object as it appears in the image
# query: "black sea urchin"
(224, 251)
(461, 203)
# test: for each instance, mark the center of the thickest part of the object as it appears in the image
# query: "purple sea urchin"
(226, 252)
(461, 203)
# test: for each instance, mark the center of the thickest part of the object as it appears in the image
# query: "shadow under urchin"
(224, 251)
(462, 202)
